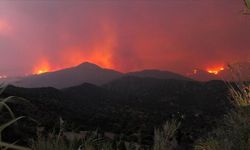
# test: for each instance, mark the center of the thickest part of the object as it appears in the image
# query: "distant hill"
(85, 72)
(186, 93)
(91, 73)
(158, 74)
(88, 73)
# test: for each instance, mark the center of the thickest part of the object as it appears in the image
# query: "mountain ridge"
(88, 73)
(85, 72)
(159, 74)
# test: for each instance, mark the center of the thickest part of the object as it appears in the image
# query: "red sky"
(123, 35)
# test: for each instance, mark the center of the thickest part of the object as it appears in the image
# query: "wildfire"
(99, 52)
(215, 70)
(42, 71)
(42, 67)
(73, 57)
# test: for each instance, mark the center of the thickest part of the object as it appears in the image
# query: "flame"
(73, 56)
(99, 52)
(42, 67)
(215, 70)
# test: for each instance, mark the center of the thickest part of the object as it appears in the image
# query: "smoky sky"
(175, 35)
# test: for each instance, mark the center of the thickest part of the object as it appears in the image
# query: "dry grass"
(234, 131)
(164, 139)
(13, 120)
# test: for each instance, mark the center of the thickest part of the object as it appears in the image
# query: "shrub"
(164, 139)
(234, 131)
(13, 120)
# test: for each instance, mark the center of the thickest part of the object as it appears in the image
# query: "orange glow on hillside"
(215, 70)
(99, 52)
(100, 55)
(73, 58)
(42, 67)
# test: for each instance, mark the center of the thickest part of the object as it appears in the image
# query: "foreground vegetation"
(13, 120)
(232, 133)
(129, 109)
(164, 138)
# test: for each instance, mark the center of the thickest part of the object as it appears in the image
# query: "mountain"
(158, 74)
(187, 93)
(87, 92)
(91, 73)
(85, 72)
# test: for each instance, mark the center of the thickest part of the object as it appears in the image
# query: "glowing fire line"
(215, 71)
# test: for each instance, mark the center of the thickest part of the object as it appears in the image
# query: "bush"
(13, 120)
(164, 139)
(234, 131)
